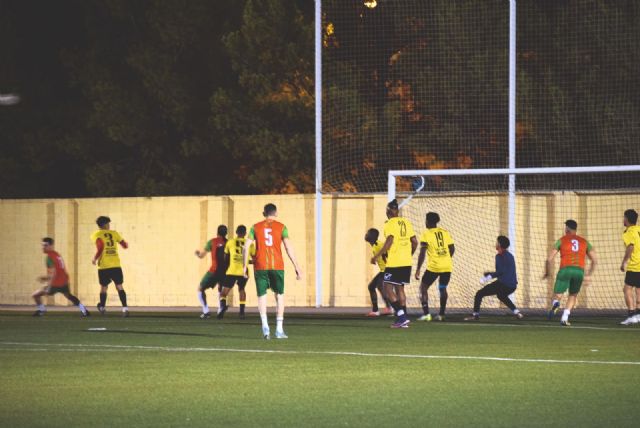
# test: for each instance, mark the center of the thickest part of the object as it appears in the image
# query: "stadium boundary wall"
(161, 269)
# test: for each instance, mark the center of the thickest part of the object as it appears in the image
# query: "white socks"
(265, 323)
(82, 308)
(279, 321)
(41, 307)
(565, 315)
(205, 307)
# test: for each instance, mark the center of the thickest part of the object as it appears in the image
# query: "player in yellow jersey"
(108, 262)
(438, 245)
(233, 250)
(376, 283)
(399, 245)
(631, 265)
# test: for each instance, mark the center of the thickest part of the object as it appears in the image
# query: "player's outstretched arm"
(124, 244)
(289, 249)
(201, 253)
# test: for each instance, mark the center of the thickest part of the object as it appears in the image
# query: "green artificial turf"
(173, 369)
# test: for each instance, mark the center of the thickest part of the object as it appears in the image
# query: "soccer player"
(269, 235)
(400, 244)
(376, 283)
(631, 265)
(438, 244)
(574, 250)
(500, 283)
(56, 280)
(233, 251)
(215, 275)
(108, 262)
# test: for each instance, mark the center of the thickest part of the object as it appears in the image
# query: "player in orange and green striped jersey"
(215, 274)
(574, 250)
(268, 236)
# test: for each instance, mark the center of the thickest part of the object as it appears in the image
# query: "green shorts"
(569, 278)
(269, 279)
(210, 280)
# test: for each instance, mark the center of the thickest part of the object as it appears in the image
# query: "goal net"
(475, 209)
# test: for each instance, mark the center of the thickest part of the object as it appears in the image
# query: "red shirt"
(216, 247)
(60, 277)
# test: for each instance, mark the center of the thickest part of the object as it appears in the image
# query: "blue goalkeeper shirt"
(506, 269)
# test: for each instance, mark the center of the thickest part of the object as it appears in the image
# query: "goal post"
(474, 206)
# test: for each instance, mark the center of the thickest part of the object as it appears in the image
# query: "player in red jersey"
(215, 274)
(269, 235)
(56, 280)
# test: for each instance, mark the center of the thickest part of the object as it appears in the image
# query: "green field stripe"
(98, 347)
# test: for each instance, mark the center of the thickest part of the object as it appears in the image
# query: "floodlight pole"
(318, 95)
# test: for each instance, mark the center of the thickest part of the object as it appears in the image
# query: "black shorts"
(429, 277)
(230, 280)
(51, 290)
(633, 279)
(398, 275)
(105, 276)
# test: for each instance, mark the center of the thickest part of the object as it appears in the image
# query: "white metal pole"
(512, 123)
(318, 95)
(512, 129)
(391, 186)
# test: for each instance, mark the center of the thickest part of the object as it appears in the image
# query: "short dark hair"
(432, 218)
(102, 220)
(222, 230)
(269, 209)
(47, 240)
(631, 216)
(504, 242)
(373, 234)
(241, 230)
(571, 224)
(393, 204)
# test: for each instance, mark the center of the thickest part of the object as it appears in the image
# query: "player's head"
(103, 222)
(630, 217)
(570, 226)
(222, 230)
(392, 208)
(503, 242)
(270, 210)
(432, 219)
(241, 230)
(372, 236)
(47, 244)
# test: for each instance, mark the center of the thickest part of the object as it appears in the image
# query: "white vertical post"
(512, 128)
(512, 122)
(391, 186)
(318, 95)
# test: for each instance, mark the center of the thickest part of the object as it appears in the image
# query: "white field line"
(98, 347)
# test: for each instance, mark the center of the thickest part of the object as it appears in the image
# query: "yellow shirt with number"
(382, 259)
(437, 241)
(631, 236)
(234, 247)
(109, 258)
(399, 255)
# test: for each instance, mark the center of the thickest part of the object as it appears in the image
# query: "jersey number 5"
(268, 238)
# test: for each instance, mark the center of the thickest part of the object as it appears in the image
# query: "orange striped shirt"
(268, 235)
(573, 250)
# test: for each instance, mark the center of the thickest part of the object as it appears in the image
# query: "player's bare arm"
(46, 279)
(414, 244)
(124, 244)
(421, 257)
(593, 258)
(289, 249)
(387, 244)
(99, 250)
(452, 249)
(201, 253)
(627, 256)
(245, 256)
(548, 266)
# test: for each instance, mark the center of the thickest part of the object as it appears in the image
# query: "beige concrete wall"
(161, 269)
